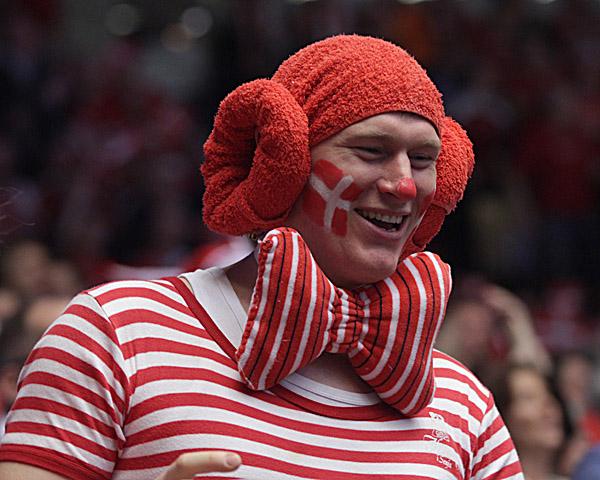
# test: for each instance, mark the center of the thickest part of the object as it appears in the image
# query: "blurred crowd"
(100, 144)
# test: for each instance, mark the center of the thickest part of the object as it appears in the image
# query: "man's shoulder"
(447, 364)
(129, 293)
(124, 288)
(452, 373)
(137, 306)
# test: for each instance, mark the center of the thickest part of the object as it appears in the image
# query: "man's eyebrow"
(371, 135)
(388, 137)
(431, 143)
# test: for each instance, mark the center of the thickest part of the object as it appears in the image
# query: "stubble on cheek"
(426, 202)
(328, 196)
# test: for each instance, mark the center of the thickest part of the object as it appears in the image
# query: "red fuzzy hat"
(257, 158)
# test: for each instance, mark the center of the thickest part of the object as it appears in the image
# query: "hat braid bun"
(257, 159)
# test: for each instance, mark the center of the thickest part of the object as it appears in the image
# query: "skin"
(383, 154)
(185, 467)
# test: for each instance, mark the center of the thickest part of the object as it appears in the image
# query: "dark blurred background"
(105, 106)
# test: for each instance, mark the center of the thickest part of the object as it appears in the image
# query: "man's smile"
(387, 221)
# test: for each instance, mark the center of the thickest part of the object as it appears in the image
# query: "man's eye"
(421, 161)
(372, 151)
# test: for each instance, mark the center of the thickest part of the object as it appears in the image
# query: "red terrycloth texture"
(257, 158)
(344, 79)
(387, 330)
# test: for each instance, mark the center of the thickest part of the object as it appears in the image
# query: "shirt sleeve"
(495, 457)
(72, 398)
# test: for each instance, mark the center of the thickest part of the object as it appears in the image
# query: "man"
(312, 358)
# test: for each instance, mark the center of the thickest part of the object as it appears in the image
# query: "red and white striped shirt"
(132, 375)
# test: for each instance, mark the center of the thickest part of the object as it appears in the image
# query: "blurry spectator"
(41, 312)
(574, 372)
(534, 418)
(24, 267)
(17, 338)
(27, 268)
(590, 421)
(10, 303)
(64, 278)
(589, 467)
(14, 348)
(475, 350)
(499, 327)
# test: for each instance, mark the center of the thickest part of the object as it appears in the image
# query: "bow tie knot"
(347, 310)
(386, 329)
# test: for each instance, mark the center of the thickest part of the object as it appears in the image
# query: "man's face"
(369, 188)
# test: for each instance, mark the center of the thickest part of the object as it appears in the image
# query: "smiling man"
(312, 358)
(390, 160)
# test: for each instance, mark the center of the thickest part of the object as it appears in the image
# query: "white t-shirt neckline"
(214, 292)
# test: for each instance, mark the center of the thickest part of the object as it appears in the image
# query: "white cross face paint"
(328, 197)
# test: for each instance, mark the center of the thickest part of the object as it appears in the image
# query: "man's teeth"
(382, 218)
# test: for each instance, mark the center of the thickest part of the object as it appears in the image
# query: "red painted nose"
(406, 188)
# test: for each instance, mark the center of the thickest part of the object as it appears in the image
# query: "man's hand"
(184, 468)
(193, 463)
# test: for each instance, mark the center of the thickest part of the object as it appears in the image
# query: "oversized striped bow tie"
(386, 329)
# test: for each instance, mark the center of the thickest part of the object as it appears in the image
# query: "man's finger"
(189, 464)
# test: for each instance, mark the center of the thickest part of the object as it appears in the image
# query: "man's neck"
(329, 369)
(335, 370)
(242, 276)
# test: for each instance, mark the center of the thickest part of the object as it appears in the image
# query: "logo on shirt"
(439, 435)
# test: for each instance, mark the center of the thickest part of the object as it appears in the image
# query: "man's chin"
(352, 264)
(368, 274)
